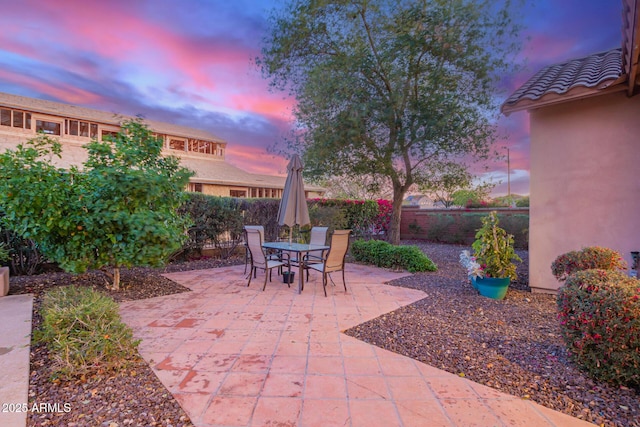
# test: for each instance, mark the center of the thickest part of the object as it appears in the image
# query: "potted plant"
(491, 268)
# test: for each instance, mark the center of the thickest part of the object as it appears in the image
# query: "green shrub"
(599, 312)
(84, 333)
(383, 254)
(593, 257)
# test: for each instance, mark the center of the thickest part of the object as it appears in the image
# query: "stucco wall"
(585, 181)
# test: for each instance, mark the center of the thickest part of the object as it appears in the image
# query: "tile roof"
(595, 72)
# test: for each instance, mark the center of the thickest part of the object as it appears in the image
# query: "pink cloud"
(60, 91)
(256, 160)
(264, 105)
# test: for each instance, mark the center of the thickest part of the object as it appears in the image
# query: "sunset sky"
(189, 62)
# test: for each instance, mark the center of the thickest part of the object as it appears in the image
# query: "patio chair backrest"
(318, 235)
(260, 228)
(254, 242)
(337, 251)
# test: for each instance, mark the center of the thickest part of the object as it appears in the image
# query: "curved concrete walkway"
(15, 341)
(238, 356)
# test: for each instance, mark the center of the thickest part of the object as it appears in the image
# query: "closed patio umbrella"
(293, 206)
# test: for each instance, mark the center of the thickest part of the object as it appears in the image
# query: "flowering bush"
(471, 265)
(493, 249)
(599, 312)
(585, 259)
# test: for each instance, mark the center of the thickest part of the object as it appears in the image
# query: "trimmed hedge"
(599, 312)
(384, 254)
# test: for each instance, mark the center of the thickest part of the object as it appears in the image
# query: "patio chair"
(318, 237)
(260, 260)
(247, 254)
(333, 260)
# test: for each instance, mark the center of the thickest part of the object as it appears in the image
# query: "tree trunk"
(396, 212)
(116, 278)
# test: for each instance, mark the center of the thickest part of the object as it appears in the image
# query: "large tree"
(387, 87)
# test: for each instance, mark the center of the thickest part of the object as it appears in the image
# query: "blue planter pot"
(473, 282)
(493, 287)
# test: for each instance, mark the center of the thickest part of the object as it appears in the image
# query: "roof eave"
(574, 94)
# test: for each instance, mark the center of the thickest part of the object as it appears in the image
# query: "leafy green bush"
(599, 312)
(384, 254)
(118, 210)
(214, 220)
(83, 330)
(593, 257)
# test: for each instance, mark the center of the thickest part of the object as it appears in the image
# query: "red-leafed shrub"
(599, 313)
(593, 257)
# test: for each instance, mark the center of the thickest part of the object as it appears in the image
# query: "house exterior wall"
(585, 181)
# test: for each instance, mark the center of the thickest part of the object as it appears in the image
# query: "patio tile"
(398, 366)
(229, 411)
(242, 384)
(468, 412)
(292, 349)
(325, 387)
(409, 388)
(275, 411)
(325, 349)
(288, 364)
(367, 413)
(252, 363)
(513, 410)
(367, 387)
(361, 366)
(283, 385)
(201, 382)
(216, 362)
(325, 365)
(423, 413)
(451, 387)
(325, 413)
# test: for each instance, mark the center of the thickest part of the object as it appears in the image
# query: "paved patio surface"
(238, 356)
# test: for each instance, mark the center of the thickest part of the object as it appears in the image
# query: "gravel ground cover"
(512, 345)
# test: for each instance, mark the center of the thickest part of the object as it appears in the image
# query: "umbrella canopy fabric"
(293, 206)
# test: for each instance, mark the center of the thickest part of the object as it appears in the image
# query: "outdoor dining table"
(300, 249)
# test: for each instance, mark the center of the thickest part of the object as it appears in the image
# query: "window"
(237, 193)
(5, 117)
(78, 128)
(73, 127)
(49, 128)
(16, 119)
(195, 187)
(177, 144)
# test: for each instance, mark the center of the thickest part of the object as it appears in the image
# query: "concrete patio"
(238, 356)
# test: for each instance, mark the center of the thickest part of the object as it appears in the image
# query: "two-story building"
(21, 118)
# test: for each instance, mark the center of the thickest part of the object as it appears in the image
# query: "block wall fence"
(460, 225)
